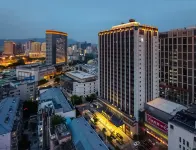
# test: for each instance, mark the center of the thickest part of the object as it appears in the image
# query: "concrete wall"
(176, 133)
(84, 89)
(5, 141)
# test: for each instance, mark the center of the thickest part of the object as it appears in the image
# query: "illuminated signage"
(157, 123)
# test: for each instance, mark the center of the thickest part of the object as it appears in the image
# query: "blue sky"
(83, 19)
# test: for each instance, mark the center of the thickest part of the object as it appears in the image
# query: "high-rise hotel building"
(178, 65)
(56, 47)
(129, 66)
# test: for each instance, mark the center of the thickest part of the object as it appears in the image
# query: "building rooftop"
(166, 106)
(35, 66)
(62, 131)
(186, 119)
(8, 110)
(57, 97)
(87, 138)
(80, 75)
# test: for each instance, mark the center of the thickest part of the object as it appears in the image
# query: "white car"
(136, 143)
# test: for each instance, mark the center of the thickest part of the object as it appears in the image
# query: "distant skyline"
(82, 20)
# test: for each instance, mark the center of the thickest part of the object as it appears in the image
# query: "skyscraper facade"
(178, 65)
(9, 48)
(56, 47)
(129, 66)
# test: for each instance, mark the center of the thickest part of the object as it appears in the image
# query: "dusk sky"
(83, 19)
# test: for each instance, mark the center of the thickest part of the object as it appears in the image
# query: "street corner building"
(128, 69)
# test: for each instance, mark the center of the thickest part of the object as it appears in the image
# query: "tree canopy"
(76, 100)
(56, 119)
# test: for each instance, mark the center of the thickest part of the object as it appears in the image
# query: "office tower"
(9, 48)
(128, 66)
(43, 47)
(56, 47)
(35, 47)
(177, 65)
(19, 49)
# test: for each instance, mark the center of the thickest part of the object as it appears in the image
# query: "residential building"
(128, 69)
(56, 47)
(87, 138)
(79, 83)
(156, 116)
(51, 101)
(35, 71)
(9, 48)
(35, 47)
(25, 90)
(55, 98)
(177, 65)
(10, 123)
(182, 130)
(43, 47)
(60, 138)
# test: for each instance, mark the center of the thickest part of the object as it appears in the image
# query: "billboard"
(157, 123)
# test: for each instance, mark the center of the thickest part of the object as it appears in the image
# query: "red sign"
(157, 123)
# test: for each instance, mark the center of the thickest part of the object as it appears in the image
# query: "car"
(136, 143)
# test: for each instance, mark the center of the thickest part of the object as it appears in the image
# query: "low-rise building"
(88, 68)
(60, 138)
(55, 98)
(51, 101)
(84, 136)
(35, 71)
(182, 130)
(10, 123)
(25, 90)
(156, 116)
(79, 83)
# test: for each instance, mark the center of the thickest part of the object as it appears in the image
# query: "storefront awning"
(111, 117)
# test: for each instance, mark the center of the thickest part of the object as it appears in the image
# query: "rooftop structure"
(87, 138)
(58, 99)
(62, 131)
(166, 106)
(80, 76)
(186, 119)
(8, 110)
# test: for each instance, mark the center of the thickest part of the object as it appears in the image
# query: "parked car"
(136, 143)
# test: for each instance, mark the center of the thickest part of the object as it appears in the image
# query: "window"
(183, 141)
(183, 148)
(179, 146)
(179, 139)
(171, 126)
(195, 139)
(187, 144)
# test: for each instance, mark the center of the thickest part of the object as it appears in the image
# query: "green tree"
(42, 81)
(76, 100)
(57, 79)
(56, 119)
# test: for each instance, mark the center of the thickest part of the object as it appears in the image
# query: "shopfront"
(156, 128)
